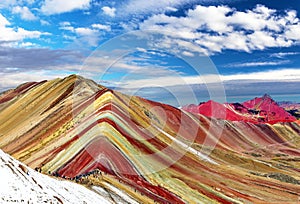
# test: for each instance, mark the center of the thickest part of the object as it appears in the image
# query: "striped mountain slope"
(152, 152)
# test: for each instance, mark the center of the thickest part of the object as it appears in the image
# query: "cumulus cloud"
(24, 12)
(84, 35)
(88, 36)
(216, 28)
(101, 27)
(109, 11)
(66, 26)
(43, 22)
(10, 34)
(51, 7)
(85, 31)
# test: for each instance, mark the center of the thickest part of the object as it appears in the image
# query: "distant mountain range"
(142, 151)
(258, 110)
(291, 107)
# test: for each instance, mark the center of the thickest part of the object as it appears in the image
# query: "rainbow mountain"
(77, 130)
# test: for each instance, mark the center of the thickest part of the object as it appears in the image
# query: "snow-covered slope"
(20, 184)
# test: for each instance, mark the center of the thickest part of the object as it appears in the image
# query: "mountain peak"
(267, 96)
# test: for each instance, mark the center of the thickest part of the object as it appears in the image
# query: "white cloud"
(293, 31)
(24, 12)
(100, 64)
(271, 75)
(217, 28)
(23, 2)
(27, 44)
(65, 23)
(43, 22)
(66, 26)
(188, 54)
(21, 33)
(85, 31)
(3, 21)
(7, 3)
(152, 6)
(68, 37)
(101, 27)
(256, 64)
(84, 35)
(29, 1)
(257, 19)
(284, 75)
(212, 17)
(284, 54)
(50, 7)
(109, 11)
(87, 35)
(10, 34)
(168, 8)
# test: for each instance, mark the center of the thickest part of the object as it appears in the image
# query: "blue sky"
(176, 52)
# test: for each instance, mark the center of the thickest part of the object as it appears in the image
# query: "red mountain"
(269, 110)
(257, 110)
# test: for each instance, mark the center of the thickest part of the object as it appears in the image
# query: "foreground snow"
(20, 184)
